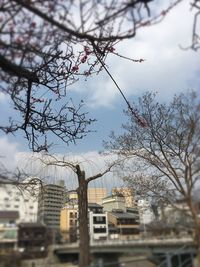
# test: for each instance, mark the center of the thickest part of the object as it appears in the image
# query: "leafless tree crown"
(166, 152)
(45, 46)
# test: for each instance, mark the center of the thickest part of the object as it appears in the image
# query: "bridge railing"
(142, 241)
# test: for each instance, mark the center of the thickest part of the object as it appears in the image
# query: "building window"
(71, 215)
(16, 206)
(71, 222)
(129, 231)
(99, 220)
(99, 230)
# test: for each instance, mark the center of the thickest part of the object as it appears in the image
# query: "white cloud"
(102, 93)
(167, 69)
(2, 97)
(91, 162)
(8, 153)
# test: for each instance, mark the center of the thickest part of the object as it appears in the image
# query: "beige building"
(95, 195)
(69, 223)
(128, 194)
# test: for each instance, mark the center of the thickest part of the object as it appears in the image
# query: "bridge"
(170, 252)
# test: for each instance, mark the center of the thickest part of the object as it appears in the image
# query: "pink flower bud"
(83, 59)
(87, 50)
(75, 68)
(33, 24)
(111, 49)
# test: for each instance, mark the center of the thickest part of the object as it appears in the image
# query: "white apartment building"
(98, 225)
(14, 199)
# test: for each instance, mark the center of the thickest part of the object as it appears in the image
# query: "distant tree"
(162, 152)
(45, 46)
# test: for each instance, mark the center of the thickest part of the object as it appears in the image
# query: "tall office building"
(51, 200)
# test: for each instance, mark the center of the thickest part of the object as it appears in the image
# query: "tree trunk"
(196, 221)
(84, 249)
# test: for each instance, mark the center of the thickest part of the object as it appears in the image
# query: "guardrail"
(139, 242)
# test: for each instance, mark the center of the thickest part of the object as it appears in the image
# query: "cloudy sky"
(167, 69)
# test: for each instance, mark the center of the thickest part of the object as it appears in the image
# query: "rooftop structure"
(114, 202)
(128, 194)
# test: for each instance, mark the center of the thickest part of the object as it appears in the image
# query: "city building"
(95, 195)
(33, 240)
(176, 219)
(123, 225)
(178, 213)
(20, 200)
(114, 202)
(128, 194)
(123, 221)
(69, 223)
(50, 202)
(95, 208)
(72, 198)
(145, 211)
(98, 222)
(8, 231)
(9, 218)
